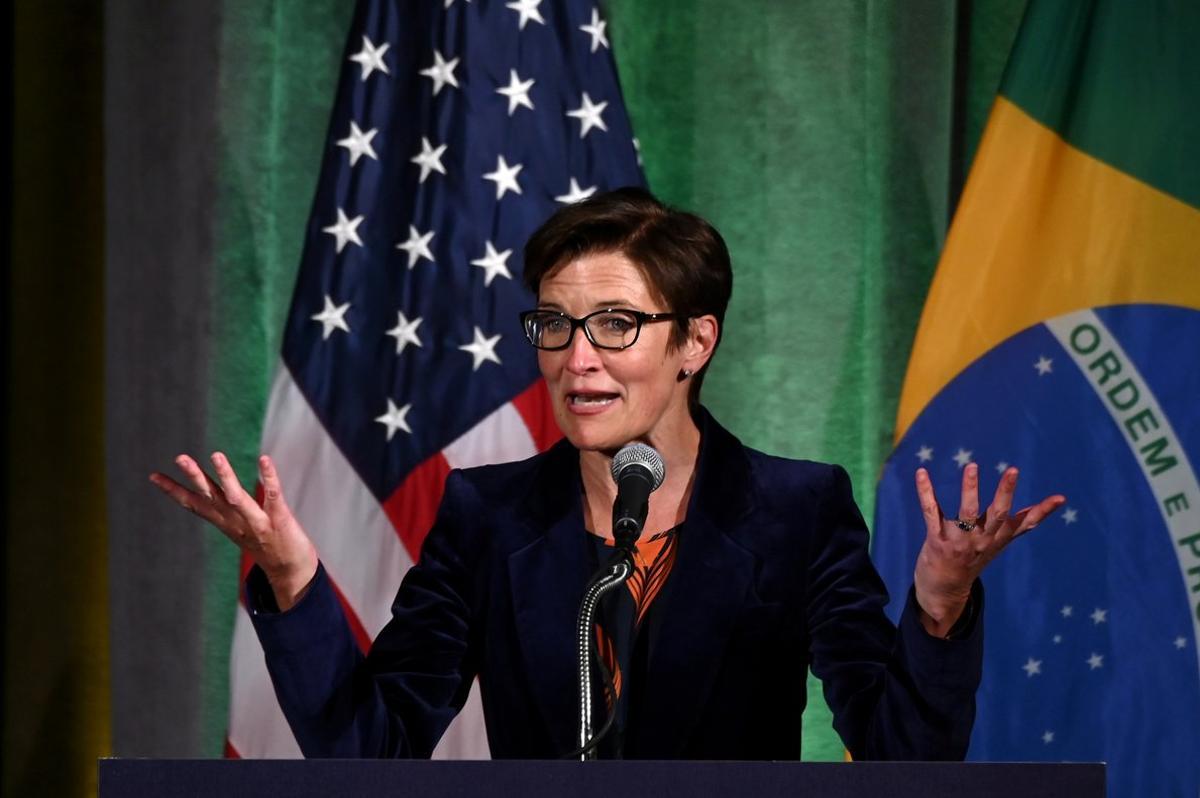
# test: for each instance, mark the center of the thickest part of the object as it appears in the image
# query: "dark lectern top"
(192, 778)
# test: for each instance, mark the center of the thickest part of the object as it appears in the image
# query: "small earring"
(683, 375)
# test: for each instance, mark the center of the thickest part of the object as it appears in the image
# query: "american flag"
(457, 129)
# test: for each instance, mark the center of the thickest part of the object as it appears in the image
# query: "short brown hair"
(682, 256)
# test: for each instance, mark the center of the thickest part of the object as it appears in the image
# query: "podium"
(369, 778)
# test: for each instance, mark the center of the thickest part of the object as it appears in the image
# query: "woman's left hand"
(951, 557)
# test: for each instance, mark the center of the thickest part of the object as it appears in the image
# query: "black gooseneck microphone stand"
(611, 575)
(626, 529)
(638, 471)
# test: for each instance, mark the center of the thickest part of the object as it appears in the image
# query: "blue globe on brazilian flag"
(1062, 335)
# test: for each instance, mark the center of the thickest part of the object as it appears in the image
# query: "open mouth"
(590, 399)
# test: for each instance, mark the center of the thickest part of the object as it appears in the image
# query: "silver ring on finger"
(966, 524)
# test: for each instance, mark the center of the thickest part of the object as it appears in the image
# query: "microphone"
(638, 471)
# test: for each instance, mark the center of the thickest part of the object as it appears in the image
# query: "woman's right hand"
(269, 534)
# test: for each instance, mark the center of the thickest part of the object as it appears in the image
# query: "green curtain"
(279, 64)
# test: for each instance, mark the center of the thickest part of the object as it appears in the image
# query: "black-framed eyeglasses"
(611, 328)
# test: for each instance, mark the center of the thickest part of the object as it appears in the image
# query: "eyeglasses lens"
(613, 329)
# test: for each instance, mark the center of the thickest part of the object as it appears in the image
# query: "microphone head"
(639, 454)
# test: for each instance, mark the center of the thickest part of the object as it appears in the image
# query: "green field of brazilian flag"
(1062, 335)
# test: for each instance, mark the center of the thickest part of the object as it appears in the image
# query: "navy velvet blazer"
(772, 577)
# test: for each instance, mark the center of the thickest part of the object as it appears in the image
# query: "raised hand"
(956, 550)
(269, 534)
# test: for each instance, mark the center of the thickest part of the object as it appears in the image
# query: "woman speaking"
(750, 569)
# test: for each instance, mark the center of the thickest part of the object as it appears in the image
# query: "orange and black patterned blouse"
(625, 627)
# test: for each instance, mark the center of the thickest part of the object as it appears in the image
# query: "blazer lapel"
(708, 587)
(547, 577)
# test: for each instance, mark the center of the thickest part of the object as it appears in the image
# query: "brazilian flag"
(1061, 334)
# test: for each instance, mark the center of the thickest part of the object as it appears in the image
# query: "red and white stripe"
(366, 546)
